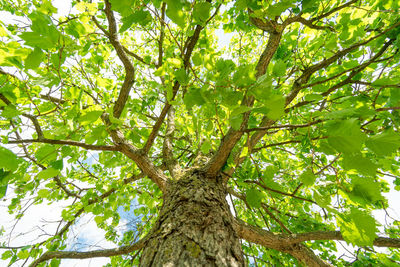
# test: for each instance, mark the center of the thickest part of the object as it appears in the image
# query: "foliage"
(299, 112)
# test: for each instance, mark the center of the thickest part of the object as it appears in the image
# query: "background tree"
(295, 122)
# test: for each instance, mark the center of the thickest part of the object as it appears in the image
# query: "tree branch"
(297, 86)
(137, 57)
(307, 23)
(66, 142)
(288, 126)
(268, 53)
(161, 40)
(188, 49)
(279, 192)
(168, 157)
(129, 69)
(233, 136)
(90, 254)
(333, 10)
(291, 243)
(92, 201)
(336, 235)
(278, 242)
(137, 155)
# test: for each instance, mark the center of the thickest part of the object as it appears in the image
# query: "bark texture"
(195, 226)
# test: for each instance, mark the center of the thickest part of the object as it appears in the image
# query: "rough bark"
(195, 226)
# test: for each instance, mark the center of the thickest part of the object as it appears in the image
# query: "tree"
(294, 126)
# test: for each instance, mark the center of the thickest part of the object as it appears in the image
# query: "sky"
(85, 232)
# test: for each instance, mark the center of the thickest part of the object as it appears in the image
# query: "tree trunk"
(194, 227)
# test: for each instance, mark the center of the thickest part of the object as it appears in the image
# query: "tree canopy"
(293, 104)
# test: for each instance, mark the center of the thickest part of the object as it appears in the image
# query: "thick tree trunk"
(194, 227)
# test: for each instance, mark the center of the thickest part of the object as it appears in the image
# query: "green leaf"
(58, 164)
(4, 179)
(48, 173)
(270, 172)
(142, 17)
(193, 97)
(34, 59)
(4, 176)
(67, 216)
(236, 121)
(124, 7)
(175, 12)
(254, 198)
(279, 69)
(386, 81)
(205, 147)
(90, 117)
(181, 76)
(46, 153)
(10, 111)
(43, 193)
(322, 200)
(175, 62)
(308, 5)
(362, 164)
(244, 76)
(384, 144)
(326, 148)
(3, 190)
(262, 89)
(365, 190)
(274, 107)
(8, 160)
(99, 219)
(44, 34)
(276, 9)
(201, 12)
(345, 136)
(358, 227)
(75, 29)
(307, 178)
(55, 262)
(239, 110)
(23, 254)
(313, 97)
(7, 254)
